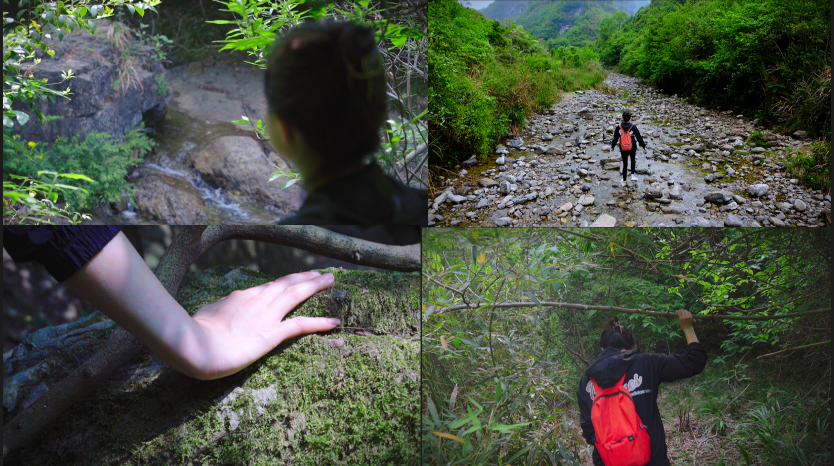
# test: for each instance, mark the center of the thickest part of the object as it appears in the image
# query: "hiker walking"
(618, 396)
(626, 132)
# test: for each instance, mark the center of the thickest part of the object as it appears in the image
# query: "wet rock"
(758, 190)
(652, 192)
(470, 162)
(604, 220)
(719, 197)
(169, 200)
(96, 105)
(239, 163)
(732, 221)
(515, 143)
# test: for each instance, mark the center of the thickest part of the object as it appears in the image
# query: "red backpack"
(625, 138)
(622, 439)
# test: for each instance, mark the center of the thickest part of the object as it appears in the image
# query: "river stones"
(487, 182)
(170, 200)
(240, 164)
(719, 197)
(604, 220)
(758, 189)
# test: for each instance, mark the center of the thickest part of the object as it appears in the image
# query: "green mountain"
(561, 22)
(510, 10)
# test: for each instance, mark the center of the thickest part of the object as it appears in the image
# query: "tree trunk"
(348, 396)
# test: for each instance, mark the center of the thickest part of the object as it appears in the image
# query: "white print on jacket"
(631, 385)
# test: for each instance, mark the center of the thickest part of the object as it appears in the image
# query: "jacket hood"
(610, 366)
(626, 125)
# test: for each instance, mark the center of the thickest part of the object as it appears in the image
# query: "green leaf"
(13, 195)
(54, 197)
(22, 118)
(82, 11)
(131, 8)
(76, 176)
(507, 428)
(140, 11)
(222, 21)
(290, 183)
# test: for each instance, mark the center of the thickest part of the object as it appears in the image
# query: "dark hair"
(626, 116)
(616, 335)
(327, 80)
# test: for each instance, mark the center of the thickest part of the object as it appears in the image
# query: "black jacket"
(644, 372)
(368, 197)
(635, 133)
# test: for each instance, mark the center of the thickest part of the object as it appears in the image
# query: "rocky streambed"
(701, 168)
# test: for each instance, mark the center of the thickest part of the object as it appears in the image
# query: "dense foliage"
(768, 59)
(486, 78)
(104, 159)
(25, 28)
(499, 384)
(573, 23)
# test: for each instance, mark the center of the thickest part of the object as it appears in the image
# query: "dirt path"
(701, 168)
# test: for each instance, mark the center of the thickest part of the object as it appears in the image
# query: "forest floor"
(763, 408)
(561, 170)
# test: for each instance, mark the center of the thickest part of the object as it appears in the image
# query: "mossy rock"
(333, 398)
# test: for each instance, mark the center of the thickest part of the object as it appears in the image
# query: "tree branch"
(795, 348)
(588, 307)
(190, 244)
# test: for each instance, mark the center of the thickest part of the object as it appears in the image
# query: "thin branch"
(588, 307)
(795, 348)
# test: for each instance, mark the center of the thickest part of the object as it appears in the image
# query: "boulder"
(503, 222)
(316, 386)
(169, 200)
(604, 220)
(800, 134)
(719, 197)
(240, 164)
(652, 193)
(799, 205)
(487, 182)
(470, 162)
(732, 221)
(758, 189)
(515, 143)
(99, 103)
(611, 166)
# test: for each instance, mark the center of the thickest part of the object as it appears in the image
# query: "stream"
(700, 169)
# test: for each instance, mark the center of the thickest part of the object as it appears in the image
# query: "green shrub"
(99, 156)
(766, 58)
(813, 169)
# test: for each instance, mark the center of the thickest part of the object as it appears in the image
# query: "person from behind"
(326, 96)
(626, 132)
(618, 396)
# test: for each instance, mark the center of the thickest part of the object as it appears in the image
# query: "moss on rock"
(334, 398)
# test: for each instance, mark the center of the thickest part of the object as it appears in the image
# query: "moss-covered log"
(350, 396)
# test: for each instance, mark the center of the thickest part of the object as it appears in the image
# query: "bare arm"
(685, 319)
(221, 339)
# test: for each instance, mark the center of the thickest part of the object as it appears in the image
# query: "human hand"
(239, 329)
(684, 318)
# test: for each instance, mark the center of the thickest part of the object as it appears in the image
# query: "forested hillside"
(767, 59)
(512, 318)
(486, 79)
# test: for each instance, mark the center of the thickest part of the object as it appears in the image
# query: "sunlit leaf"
(449, 436)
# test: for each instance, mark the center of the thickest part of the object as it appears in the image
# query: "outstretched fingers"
(303, 325)
(272, 289)
(296, 294)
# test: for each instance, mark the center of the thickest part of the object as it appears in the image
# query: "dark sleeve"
(585, 423)
(680, 366)
(616, 136)
(639, 138)
(61, 249)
